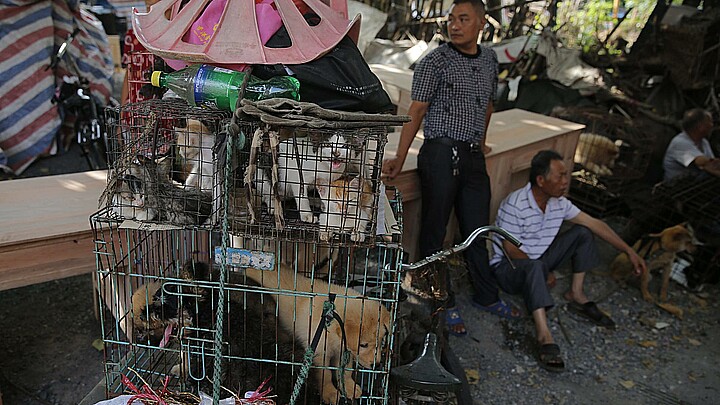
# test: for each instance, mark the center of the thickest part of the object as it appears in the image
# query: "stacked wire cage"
(214, 275)
(611, 156)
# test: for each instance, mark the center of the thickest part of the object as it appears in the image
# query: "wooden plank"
(55, 258)
(45, 207)
(45, 227)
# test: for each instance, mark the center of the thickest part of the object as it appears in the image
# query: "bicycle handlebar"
(463, 245)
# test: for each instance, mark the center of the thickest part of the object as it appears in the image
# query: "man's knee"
(536, 270)
(583, 233)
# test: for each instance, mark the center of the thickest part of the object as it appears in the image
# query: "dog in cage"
(249, 331)
(659, 251)
(301, 163)
(366, 324)
(195, 144)
(597, 153)
(140, 188)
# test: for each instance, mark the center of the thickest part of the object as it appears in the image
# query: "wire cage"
(610, 156)
(171, 165)
(163, 289)
(308, 185)
(162, 166)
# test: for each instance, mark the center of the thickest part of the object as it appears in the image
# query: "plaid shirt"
(459, 88)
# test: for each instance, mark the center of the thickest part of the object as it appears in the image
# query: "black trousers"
(468, 192)
(530, 275)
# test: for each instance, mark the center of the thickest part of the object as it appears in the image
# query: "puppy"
(367, 323)
(249, 333)
(659, 251)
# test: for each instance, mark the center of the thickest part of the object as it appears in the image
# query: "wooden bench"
(45, 229)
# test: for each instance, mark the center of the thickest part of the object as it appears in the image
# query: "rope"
(328, 315)
(345, 357)
(275, 182)
(219, 319)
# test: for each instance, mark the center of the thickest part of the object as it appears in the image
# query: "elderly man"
(690, 150)
(534, 215)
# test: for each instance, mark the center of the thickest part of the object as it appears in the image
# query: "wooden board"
(45, 227)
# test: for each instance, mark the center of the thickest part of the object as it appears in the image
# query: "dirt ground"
(47, 354)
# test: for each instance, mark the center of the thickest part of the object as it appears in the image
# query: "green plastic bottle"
(211, 85)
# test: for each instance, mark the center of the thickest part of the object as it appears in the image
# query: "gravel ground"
(651, 358)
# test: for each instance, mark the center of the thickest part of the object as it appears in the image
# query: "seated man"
(534, 214)
(690, 150)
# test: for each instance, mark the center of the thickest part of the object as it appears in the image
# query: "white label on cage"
(246, 258)
(381, 211)
(147, 226)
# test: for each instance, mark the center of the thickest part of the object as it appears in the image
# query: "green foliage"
(586, 24)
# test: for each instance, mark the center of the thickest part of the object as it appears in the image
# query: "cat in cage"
(195, 144)
(348, 207)
(302, 162)
(140, 188)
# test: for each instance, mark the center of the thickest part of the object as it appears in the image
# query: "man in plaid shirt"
(453, 90)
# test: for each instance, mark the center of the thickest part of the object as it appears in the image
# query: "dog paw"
(330, 395)
(177, 370)
(353, 390)
(649, 298)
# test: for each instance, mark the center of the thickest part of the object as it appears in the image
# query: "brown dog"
(367, 324)
(659, 251)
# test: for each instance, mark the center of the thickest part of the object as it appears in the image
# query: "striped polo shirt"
(520, 215)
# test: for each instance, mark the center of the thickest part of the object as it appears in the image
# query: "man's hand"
(637, 261)
(393, 167)
(486, 149)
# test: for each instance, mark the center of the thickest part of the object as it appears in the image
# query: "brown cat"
(348, 207)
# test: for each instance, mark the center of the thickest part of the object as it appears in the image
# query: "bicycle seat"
(237, 39)
(426, 373)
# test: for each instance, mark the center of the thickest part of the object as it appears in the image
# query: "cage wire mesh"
(308, 185)
(163, 167)
(610, 156)
(162, 290)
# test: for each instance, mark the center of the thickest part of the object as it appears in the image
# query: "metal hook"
(202, 361)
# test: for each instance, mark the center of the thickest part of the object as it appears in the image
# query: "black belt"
(473, 147)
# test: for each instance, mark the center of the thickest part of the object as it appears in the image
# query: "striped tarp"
(30, 32)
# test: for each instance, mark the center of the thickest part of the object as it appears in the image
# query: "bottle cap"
(155, 78)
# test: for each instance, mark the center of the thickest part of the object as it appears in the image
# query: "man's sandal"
(500, 309)
(549, 358)
(590, 311)
(452, 319)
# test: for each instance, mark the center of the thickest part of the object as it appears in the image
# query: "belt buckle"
(475, 147)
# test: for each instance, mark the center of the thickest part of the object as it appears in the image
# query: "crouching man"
(534, 215)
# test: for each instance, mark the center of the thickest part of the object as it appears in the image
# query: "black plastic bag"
(338, 80)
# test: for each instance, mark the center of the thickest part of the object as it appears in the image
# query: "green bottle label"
(218, 86)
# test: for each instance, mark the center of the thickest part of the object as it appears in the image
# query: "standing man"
(453, 90)
(534, 215)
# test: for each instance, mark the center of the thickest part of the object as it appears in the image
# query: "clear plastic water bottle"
(211, 85)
